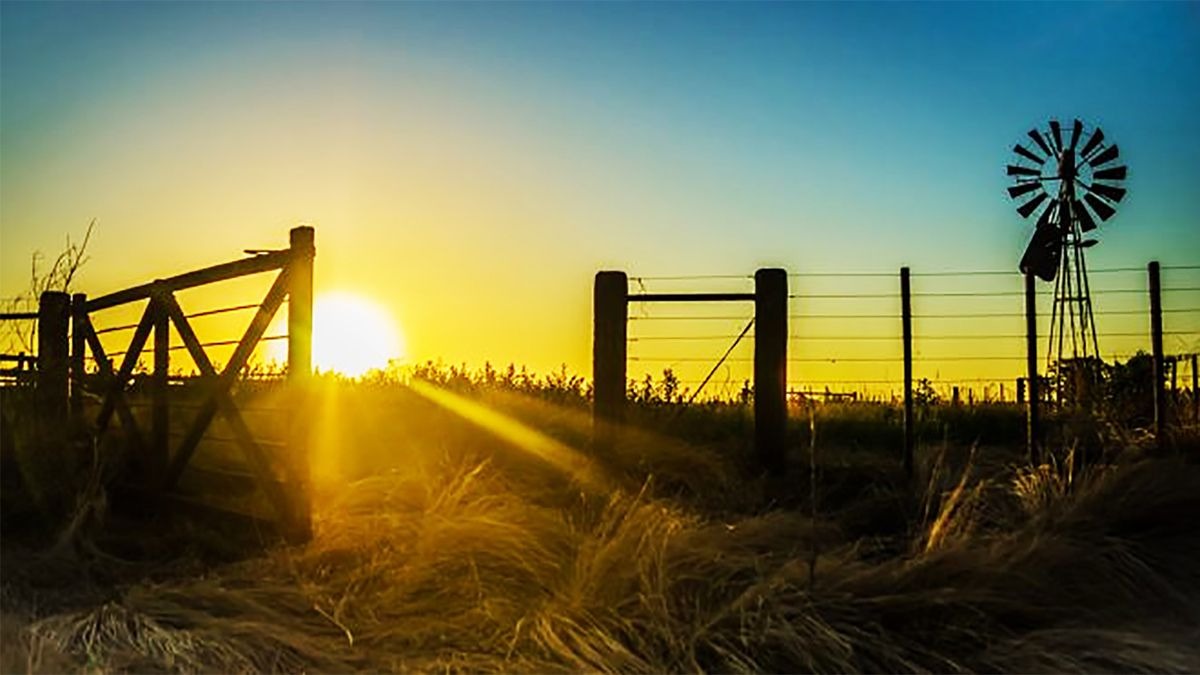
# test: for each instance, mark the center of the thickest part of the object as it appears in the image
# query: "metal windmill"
(1068, 188)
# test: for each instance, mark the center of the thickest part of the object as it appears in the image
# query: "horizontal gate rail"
(239, 268)
(690, 297)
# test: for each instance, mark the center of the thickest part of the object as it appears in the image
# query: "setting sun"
(352, 335)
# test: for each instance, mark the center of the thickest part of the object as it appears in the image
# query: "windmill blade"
(1041, 142)
(1056, 135)
(1022, 171)
(1042, 255)
(1112, 194)
(1104, 156)
(1096, 139)
(1100, 207)
(1048, 215)
(1023, 188)
(1030, 206)
(1086, 222)
(1024, 152)
(1113, 173)
(1076, 129)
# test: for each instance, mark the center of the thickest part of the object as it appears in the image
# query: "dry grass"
(461, 563)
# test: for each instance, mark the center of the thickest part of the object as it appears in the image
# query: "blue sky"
(523, 146)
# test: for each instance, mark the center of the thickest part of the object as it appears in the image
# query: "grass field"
(466, 527)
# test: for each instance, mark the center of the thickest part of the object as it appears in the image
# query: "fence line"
(880, 275)
(837, 356)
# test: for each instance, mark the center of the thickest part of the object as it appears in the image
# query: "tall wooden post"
(78, 347)
(1033, 427)
(1195, 394)
(159, 405)
(1156, 345)
(300, 318)
(610, 317)
(770, 367)
(53, 358)
(906, 328)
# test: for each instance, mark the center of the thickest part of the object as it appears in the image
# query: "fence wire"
(968, 329)
(118, 344)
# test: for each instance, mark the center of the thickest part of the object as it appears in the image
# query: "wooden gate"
(281, 475)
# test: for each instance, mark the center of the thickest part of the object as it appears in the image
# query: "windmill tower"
(1069, 188)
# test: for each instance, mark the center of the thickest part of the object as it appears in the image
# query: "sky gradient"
(470, 166)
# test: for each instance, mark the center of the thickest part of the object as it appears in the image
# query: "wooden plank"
(121, 379)
(125, 495)
(691, 297)
(225, 380)
(78, 351)
(1033, 423)
(302, 241)
(18, 316)
(53, 359)
(220, 398)
(906, 335)
(770, 368)
(1156, 348)
(258, 462)
(106, 372)
(237, 268)
(159, 407)
(610, 319)
(225, 481)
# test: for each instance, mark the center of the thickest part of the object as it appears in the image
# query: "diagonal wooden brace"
(117, 386)
(116, 393)
(221, 400)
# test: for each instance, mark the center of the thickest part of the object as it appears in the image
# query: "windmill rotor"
(1077, 186)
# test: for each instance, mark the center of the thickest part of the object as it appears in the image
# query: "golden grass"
(466, 561)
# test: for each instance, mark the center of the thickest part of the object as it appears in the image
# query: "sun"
(352, 335)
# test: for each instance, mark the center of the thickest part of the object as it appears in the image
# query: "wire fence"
(267, 362)
(845, 332)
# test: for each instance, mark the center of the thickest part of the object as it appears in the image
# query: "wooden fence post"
(906, 328)
(300, 301)
(610, 316)
(78, 346)
(1033, 429)
(159, 405)
(1195, 394)
(1020, 391)
(770, 367)
(53, 358)
(1156, 344)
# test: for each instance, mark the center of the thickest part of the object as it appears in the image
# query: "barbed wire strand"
(852, 274)
(224, 310)
(173, 348)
